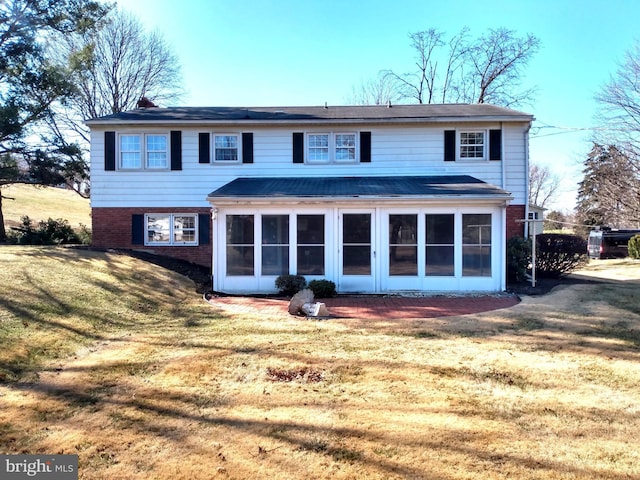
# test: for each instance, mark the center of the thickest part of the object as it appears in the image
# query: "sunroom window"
(240, 243)
(476, 245)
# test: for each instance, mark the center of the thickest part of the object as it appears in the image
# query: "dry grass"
(165, 386)
(41, 203)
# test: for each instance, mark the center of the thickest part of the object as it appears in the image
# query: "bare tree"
(487, 69)
(543, 185)
(114, 68)
(378, 91)
(620, 101)
(498, 60)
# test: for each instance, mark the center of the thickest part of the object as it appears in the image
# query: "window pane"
(439, 261)
(226, 148)
(357, 228)
(356, 260)
(476, 229)
(240, 252)
(184, 228)
(275, 229)
(440, 229)
(275, 244)
(356, 248)
(318, 147)
(310, 249)
(156, 143)
(476, 245)
(156, 151)
(472, 144)
(476, 261)
(130, 160)
(239, 229)
(239, 260)
(403, 247)
(310, 260)
(275, 260)
(130, 151)
(157, 160)
(345, 147)
(158, 229)
(310, 229)
(130, 143)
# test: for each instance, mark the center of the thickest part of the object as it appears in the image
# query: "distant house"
(374, 198)
(537, 215)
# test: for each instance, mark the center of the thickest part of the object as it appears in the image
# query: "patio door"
(357, 255)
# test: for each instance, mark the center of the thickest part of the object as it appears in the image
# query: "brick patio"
(374, 307)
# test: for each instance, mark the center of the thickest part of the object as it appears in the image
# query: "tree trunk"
(3, 232)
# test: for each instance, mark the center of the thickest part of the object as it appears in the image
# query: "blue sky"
(308, 52)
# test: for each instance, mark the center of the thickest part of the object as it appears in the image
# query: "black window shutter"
(495, 144)
(365, 147)
(204, 148)
(176, 150)
(137, 229)
(298, 147)
(449, 145)
(204, 231)
(109, 151)
(247, 147)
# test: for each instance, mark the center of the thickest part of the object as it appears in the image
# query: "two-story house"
(374, 198)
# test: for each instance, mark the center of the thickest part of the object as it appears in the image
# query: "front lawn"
(121, 362)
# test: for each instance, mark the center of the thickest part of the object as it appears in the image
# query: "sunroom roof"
(374, 187)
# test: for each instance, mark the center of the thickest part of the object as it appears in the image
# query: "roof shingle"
(378, 187)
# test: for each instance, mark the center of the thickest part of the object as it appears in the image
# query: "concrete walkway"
(370, 307)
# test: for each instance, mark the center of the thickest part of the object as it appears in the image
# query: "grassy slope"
(166, 386)
(41, 203)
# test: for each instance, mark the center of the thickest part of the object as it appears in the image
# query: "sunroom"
(366, 234)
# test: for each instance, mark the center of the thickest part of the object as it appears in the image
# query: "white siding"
(395, 150)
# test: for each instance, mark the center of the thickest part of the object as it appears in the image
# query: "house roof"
(318, 114)
(367, 187)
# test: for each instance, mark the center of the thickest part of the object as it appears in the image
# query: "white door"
(357, 254)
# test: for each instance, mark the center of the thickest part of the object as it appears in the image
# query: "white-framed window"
(226, 148)
(171, 229)
(472, 145)
(152, 147)
(318, 147)
(338, 147)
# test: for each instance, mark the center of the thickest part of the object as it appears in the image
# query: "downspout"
(214, 238)
(526, 179)
(503, 255)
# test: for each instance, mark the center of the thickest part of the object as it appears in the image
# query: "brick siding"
(111, 228)
(514, 227)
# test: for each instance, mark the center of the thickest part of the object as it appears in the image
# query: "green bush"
(518, 259)
(322, 288)
(49, 232)
(84, 234)
(559, 254)
(634, 247)
(290, 284)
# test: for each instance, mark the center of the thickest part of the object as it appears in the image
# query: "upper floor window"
(226, 148)
(138, 151)
(331, 147)
(472, 145)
